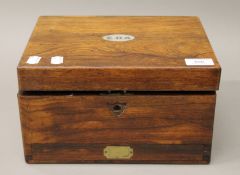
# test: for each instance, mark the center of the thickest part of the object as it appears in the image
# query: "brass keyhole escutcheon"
(118, 108)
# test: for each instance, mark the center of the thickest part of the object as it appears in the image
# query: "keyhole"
(117, 108)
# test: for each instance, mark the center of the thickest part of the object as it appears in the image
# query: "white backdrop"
(221, 19)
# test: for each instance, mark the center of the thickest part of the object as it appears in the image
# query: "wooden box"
(118, 90)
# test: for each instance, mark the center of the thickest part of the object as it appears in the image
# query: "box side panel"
(76, 128)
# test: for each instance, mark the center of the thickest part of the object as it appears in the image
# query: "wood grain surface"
(154, 60)
(161, 128)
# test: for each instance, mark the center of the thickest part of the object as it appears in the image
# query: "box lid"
(118, 53)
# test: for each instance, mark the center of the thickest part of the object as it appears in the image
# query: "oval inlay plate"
(118, 37)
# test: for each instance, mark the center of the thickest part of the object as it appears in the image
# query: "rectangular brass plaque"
(118, 152)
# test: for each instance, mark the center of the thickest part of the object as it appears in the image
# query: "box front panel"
(129, 128)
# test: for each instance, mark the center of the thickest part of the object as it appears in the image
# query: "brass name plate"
(118, 152)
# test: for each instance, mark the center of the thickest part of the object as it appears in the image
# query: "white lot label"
(33, 60)
(199, 61)
(118, 37)
(57, 60)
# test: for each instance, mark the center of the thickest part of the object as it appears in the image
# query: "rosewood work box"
(118, 90)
